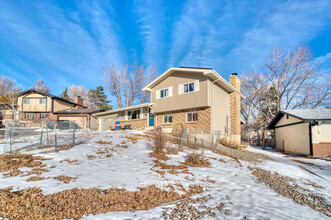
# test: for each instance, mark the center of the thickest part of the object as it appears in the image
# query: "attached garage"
(303, 131)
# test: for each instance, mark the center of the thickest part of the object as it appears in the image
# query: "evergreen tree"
(64, 94)
(99, 99)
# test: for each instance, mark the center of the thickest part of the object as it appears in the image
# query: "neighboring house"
(35, 106)
(196, 97)
(303, 131)
(7, 113)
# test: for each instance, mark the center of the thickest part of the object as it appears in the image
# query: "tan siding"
(321, 133)
(220, 109)
(183, 101)
(34, 105)
(61, 105)
(295, 137)
(285, 121)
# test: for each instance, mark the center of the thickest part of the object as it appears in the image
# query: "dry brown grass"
(135, 137)
(69, 161)
(172, 150)
(304, 162)
(196, 160)
(65, 179)
(75, 203)
(122, 145)
(52, 167)
(228, 155)
(104, 142)
(160, 156)
(90, 157)
(158, 141)
(12, 162)
(35, 178)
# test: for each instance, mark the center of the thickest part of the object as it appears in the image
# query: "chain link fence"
(200, 138)
(47, 134)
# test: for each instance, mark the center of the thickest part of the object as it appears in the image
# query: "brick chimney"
(235, 127)
(79, 100)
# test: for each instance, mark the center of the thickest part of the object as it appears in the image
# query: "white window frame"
(26, 101)
(138, 115)
(41, 101)
(165, 92)
(187, 113)
(28, 113)
(167, 116)
(188, 87)
(196, 87)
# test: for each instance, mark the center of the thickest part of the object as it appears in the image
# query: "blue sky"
(65, 42)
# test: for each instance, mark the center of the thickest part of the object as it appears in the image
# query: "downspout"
(212, 104)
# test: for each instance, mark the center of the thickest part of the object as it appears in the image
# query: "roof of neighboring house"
(80, 111)
(208, 72)
(49, 95)
(306, 115)
(8, 105)
(123, 109)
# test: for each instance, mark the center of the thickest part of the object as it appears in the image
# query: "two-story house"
(35, 106)
(197, 97)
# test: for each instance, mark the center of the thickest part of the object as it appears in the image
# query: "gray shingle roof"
(310, 114)
(80, 111)
(306, 115)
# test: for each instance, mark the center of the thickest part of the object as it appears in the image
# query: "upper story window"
(42, 101)
(2, 111)
(26, 101)
(163, 93)
(134, 114)
(188, 87)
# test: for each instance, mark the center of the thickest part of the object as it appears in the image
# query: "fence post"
(41, 134)
(55, 138)
(73, 137)
(10, 142)
(203, 146)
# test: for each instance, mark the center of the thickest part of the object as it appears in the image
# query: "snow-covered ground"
(130, 168)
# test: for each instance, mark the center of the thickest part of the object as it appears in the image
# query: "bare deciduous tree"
(75, 91)
(289, 79)
(125, 82)
(8, 85)
(41, 87)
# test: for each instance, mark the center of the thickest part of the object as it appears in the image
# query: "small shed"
(303, 131)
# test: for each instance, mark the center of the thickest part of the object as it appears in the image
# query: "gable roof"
(208, 72)
(49, 95)
(80, 111)
(306, 115)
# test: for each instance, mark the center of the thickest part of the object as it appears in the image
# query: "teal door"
(151, 118)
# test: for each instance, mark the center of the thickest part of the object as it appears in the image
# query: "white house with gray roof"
(303, 131)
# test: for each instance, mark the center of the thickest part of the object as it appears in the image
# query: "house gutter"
(311, 124)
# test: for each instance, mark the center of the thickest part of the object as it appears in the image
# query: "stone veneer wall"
(140, 123)
(322, 149)
(204, 119)
(235, 127)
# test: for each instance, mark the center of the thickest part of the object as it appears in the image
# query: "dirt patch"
(282, 185)
(75, 203)
(65, 179)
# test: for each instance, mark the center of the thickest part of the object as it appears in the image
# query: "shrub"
(158, 141)
(172, 150)
(196, 160)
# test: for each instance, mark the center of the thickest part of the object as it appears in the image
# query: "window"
(134, 114)
(2, 112)
(42, 101)
(191, 116)
(189, 87)
(29, 115)
(26, 101)
(164, 93)
(167, 119)
(44, 115)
